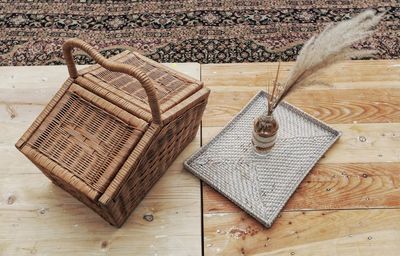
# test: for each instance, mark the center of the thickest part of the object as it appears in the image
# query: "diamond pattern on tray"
(261, 185)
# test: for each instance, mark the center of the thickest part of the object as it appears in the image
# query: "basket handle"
(135, 72)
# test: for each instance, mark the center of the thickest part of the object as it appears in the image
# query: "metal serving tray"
(261, 185)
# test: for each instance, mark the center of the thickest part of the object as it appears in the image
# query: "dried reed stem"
(271, 96)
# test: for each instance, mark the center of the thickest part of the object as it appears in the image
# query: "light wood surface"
(38, 218)
(349, 204)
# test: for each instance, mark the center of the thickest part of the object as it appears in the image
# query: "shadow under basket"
(114, 128)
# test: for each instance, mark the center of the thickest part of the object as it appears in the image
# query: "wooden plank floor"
(38, 218)
(350, 202)
(348, 205)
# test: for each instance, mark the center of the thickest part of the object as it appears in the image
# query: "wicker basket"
(113, 129)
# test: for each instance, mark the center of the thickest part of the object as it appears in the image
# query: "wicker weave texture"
(111, 131)
(164, 82)
(262, 184)
(170, 86)
(172, 139)
(85, 140)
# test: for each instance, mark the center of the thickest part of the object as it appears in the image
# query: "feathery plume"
(332, 45)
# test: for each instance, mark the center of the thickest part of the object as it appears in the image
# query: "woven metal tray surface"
(262, 184)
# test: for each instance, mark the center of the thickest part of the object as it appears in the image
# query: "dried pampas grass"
(332, 45)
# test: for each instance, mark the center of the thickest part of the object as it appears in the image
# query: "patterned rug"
(210, 31)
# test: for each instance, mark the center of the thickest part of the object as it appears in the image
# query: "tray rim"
(203, 148)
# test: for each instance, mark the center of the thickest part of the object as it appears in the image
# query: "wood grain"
(331, 106)
(349, 74)
(39, 218)
(33, 207)
(332, 186)
(348, 203)
(344, 232)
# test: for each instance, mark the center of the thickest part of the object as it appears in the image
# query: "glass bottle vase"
(265, 131)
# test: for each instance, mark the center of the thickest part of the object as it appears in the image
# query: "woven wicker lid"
(171, 86)
(85, 139)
